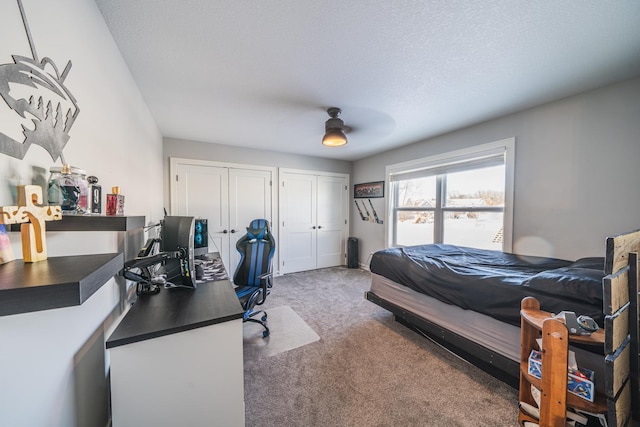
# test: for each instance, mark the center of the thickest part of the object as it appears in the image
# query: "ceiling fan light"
(334, 138)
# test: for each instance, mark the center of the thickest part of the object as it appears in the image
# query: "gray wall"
(225, 153)
(53, 363)
(577, 172)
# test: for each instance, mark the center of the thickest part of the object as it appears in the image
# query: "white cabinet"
(177, 359)
(229, 196)
(313, 219)
(190, 378)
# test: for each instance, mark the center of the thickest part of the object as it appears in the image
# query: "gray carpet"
(366, 369)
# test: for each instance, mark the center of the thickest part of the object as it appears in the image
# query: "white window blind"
(452, 165)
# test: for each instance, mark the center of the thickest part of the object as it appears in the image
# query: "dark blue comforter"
(493, 282)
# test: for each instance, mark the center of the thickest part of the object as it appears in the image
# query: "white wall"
(39, 362)
(114, 138)
(576, 175)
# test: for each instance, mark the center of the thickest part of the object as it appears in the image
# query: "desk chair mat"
(288, 331)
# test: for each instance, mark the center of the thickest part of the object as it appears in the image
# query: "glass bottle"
(115, 202)
(69, 190)
(83, 185)
(53, 190)
(95, 204)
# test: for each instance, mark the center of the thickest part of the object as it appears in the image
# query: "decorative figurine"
(33, 216)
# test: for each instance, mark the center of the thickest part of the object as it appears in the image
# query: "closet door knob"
(233, 231)
(314, 227)
(319, 226)
(224, 231)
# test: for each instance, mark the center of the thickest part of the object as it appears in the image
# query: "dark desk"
(176, 310)
(177, 355)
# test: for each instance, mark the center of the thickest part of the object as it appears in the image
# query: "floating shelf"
(93, 223)
(55, 282)
(63, 281)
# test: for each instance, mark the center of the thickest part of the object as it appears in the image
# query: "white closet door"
(249, 198)
(202, 192)
(298, 227)
(228, 195)
(332, 196)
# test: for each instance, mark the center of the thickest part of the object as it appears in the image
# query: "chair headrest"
(258, 229)
(256, 233)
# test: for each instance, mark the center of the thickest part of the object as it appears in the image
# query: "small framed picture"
(368, 190)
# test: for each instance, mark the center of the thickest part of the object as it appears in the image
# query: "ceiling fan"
(335, 129)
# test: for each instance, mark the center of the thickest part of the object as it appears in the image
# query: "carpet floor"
(364, 370)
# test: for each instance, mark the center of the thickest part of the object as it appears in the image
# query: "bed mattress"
(494, 283)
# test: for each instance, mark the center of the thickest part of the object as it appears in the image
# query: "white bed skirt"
(497, 336)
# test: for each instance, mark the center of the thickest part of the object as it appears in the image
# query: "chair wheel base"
(261, 322)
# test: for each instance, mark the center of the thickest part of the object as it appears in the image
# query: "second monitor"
(178, 236)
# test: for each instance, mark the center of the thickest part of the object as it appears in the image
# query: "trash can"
(352, 253)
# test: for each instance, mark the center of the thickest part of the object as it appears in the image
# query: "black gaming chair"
(253, 277)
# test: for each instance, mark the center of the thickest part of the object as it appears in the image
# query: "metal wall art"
(35, 90)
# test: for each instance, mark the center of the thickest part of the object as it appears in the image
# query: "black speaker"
(352, 253)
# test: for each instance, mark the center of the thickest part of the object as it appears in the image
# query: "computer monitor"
(178, 236)
(201, 237)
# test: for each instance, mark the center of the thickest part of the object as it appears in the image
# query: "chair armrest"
(265, 284)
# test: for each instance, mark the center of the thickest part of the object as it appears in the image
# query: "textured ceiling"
(261, 73)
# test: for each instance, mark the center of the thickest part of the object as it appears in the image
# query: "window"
(462, 198)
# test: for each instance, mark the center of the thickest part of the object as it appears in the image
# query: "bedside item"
(581, 325)
(554, 369)
(579, 381)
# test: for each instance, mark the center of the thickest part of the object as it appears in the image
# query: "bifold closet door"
(313, 220)
(331, 221)
(228, 197)
(203, 192)
(298, 222)
(249, 199)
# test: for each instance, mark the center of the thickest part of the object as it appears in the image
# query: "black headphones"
(580, 325)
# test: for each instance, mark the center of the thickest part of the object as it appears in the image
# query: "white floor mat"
(288, 331)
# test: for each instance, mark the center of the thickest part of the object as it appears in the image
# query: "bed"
(468, 300)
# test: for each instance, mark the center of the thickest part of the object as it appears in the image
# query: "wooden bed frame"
(620, 287)
(620, 292)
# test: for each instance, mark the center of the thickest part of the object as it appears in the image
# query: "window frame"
(414, 168)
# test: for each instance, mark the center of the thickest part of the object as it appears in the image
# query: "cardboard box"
(535, 364)
(579, 382)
